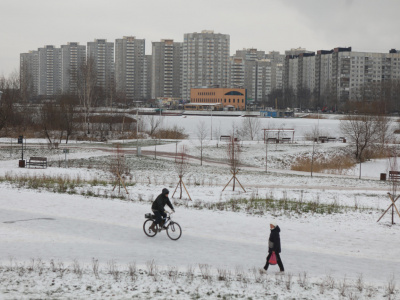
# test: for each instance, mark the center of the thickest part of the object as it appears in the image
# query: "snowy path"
(53, 226)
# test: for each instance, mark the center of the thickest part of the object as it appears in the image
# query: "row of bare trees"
(386, 93)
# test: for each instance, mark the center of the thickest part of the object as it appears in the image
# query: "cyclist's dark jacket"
(275, 240)
(160, 202)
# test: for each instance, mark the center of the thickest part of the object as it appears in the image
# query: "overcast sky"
(366, 25)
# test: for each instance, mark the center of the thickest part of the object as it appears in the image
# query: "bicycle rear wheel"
(174, 231)
(147, 230)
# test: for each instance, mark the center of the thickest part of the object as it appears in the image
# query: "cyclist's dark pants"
(159, 214)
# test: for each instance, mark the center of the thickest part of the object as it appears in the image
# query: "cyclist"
(158, 208)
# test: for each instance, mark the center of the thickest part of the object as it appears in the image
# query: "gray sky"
(366, 25)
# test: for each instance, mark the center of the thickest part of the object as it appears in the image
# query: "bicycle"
(173, 229)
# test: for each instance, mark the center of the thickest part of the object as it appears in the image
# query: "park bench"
(286, 140)
(323, 139)
(331, 139)
(225, 138)
(37, 162)
(274, 140)
(394, 175)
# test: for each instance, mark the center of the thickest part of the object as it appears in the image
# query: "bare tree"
(86, 83)
(383, 123)
(119, 167)
(394, 183)
(11, 95)
(202, 132)
(217, 132)
(154, 123)
(233, 154)
(250, 127)
(181, 168)
(363, 131)
(51, 122)
(67, 104)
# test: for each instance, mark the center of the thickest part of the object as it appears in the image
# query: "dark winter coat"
(274, 240)
(160, 202)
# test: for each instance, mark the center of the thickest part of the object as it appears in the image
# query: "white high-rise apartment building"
(236, 72)
(166, 69)
(277, 76)
(29, 74)
(205, 60)
(49, 71)
(252, 70)
(300, 70)
(337, 75)
(357, 72)
(73, 56)
(102, 53)
(148, 76)
(130, 67)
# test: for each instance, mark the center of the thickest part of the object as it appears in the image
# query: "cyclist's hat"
(165, 192)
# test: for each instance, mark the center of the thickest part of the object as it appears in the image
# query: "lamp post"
(211, 123)
(137, 132)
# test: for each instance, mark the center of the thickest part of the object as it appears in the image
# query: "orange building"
(230, 98)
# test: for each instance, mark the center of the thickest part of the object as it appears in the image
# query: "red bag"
(272, 259)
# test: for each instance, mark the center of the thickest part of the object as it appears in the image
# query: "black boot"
(266, 266)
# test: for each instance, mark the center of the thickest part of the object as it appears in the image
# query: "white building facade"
(130, 67)
(73, 56)
(102, 53)
(166, 69)
(205, 59)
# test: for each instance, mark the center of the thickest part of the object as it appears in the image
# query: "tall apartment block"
(251, 54)
(277, 61)
(148, 76)
(236, 72)
(300, 70)
(166, 69)
(49, 71)
(102, 53)
(205, 59)
(73, 56)
(130, 64)
(338, 75)
(29, 74)
(352, 74)
(275, 57)
(251, 69)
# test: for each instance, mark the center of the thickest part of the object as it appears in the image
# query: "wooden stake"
(181, 183)
(234, 178)
(186, 190)
(119, 180)
(390, 206)
(227, 183)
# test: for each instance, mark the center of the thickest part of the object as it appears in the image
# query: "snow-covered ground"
(51, 242)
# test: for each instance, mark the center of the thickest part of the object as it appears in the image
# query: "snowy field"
(87, 242)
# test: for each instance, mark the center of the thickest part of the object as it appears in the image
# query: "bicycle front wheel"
(147, 230)
(174, 231)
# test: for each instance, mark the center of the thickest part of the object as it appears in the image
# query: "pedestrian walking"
(274, 246)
